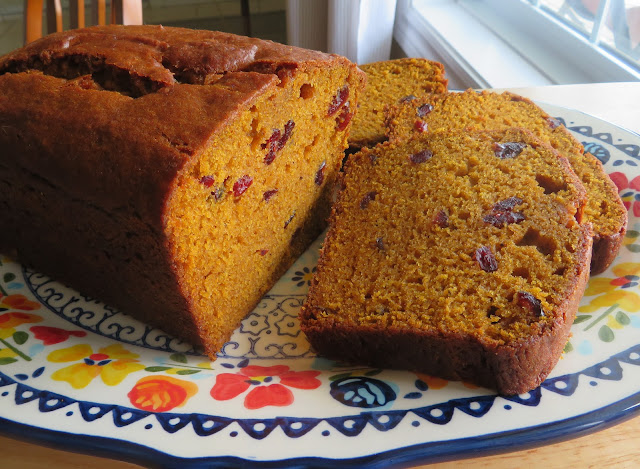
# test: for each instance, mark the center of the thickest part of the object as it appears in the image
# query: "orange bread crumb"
(459, 255)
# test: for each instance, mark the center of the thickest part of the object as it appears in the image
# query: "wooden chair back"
(122, 12)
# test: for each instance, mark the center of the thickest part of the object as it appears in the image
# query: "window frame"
(512, 31)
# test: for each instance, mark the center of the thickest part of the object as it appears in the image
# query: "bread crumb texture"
(388, 83)
(489, 110)
(451, 234)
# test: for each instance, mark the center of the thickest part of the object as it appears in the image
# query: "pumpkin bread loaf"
(487, 110)
(387, 83)
(458, 255)
(172, 173)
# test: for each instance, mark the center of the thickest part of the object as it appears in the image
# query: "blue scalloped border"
(424, 453)
(295, 427)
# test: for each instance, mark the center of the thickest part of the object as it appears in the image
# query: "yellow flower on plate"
(624, 299)
(7, 353)
(614, 291)
(613, 323)
(112, 364)
(161, 393)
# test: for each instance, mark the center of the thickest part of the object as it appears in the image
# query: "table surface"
(616, 446)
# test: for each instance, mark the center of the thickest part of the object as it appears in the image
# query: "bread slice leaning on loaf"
(460, 255)
(172, 173)
(388, 83)
(489, 110)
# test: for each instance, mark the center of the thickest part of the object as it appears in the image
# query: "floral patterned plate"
(69, 365)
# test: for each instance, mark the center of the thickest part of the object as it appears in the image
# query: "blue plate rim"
(423, 453)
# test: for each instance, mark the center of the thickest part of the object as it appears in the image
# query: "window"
(494, 43)
(613, 25)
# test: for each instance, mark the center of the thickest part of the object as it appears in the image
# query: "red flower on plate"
(629, 191)
(17, 302)
(53, 335)
(269, 385)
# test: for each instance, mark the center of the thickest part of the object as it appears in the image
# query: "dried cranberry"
(272, 145)
(502, 213)
(288, 129)
(380, 244)
(486, 259)
(508, 149)
(342, 121)
(286, 223)
(319, 179)
(508, 204)
(338, 100)
(499, 219)
(207, 181)
(531, 303)
(368, 197)
(277, 141)
(286, 135)
(553, 123)
(441, 219)
(262, 252)
(421, 156)
(424, 110)
(420, 126)
(268, 194)
(241, 185)
(407, 99)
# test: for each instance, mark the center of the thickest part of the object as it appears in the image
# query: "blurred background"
(268, 17)
(482, 43)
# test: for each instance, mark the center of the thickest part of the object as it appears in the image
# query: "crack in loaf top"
(131, 91)
(161, 56)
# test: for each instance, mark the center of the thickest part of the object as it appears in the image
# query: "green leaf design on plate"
(178, 357)
(622, 318)
(373, 372)
(606, 334)
(20, 337)
(8, 277)
(568, 348)
(634, 247)
(7, 360)
(187, 372)
(582, 318)
(155, 369)
(339, 376)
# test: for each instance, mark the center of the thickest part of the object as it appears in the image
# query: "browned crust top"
(161, 54)
(110, 114)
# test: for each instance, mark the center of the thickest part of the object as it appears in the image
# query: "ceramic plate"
(69, 365)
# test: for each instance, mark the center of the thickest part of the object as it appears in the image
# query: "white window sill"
(473, 55)
(491, 44)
